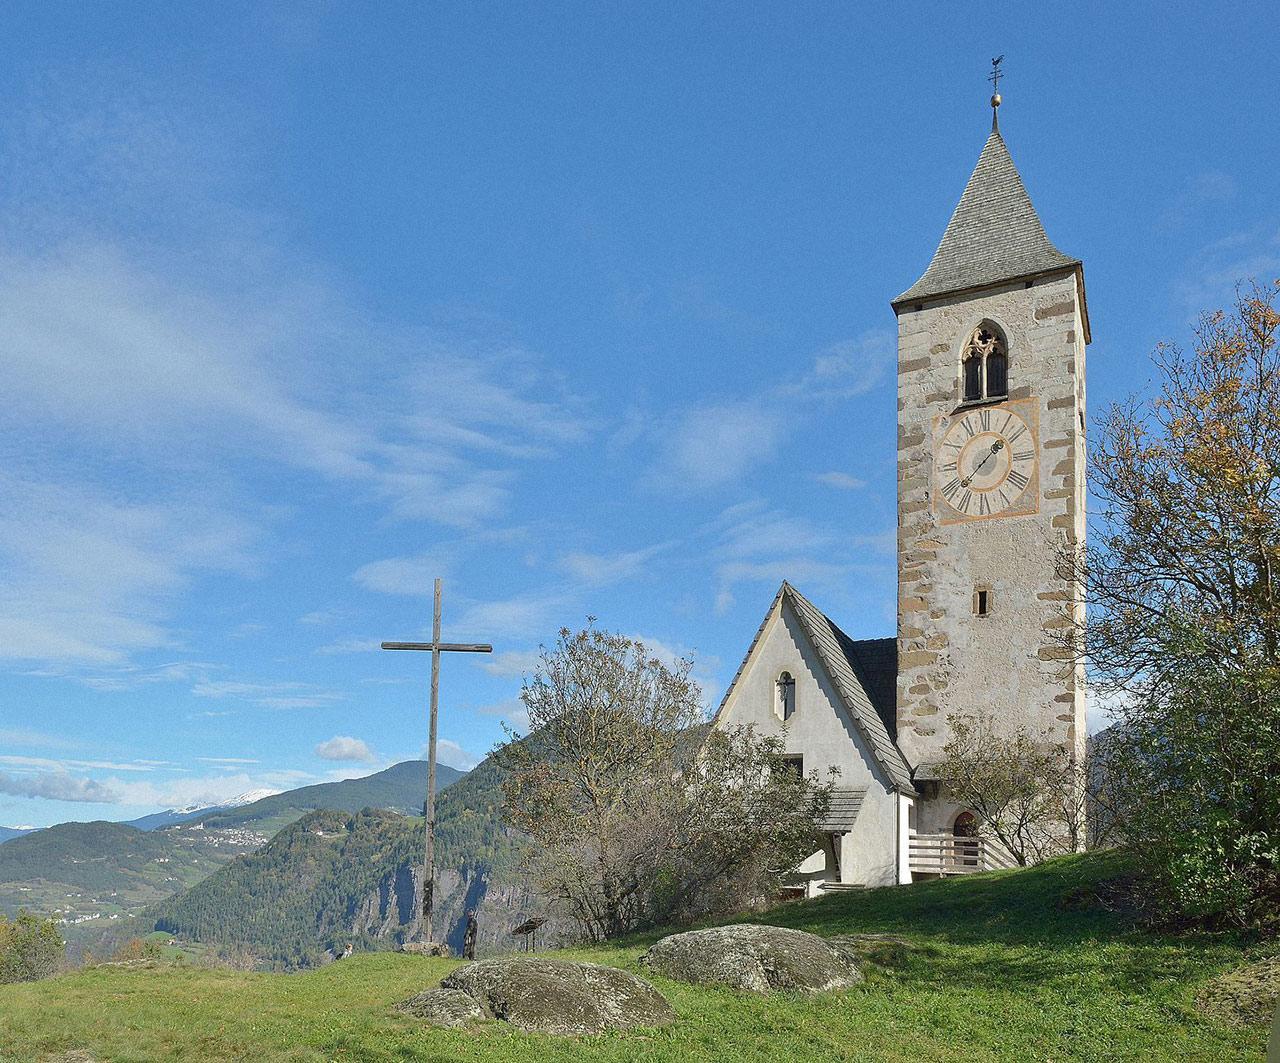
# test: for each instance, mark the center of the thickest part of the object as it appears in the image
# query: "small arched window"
(985, 364)
(972, 378)
(786, 696)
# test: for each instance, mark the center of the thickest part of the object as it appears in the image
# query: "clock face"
(985, 462)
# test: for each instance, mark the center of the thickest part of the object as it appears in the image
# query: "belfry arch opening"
(984, 364)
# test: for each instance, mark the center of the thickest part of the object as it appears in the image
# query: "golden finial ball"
(995, 100)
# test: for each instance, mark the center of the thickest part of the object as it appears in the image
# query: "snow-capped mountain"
(172, 816)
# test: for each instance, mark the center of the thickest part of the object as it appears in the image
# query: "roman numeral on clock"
(1017, 479)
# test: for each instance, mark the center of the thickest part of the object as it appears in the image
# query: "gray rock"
(761, 959)
(445, 1007)
(560, 997)
(425, 948)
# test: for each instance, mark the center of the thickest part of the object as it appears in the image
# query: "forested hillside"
(331, 879)
(95, 877)
(93, 873)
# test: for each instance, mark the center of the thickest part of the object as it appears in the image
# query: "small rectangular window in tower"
(982, 601)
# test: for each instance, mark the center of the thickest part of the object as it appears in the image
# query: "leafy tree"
(1025, 789)
(30, 948)
(1183, 582)
(636, 812)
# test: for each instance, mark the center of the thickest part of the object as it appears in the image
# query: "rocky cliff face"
(391, 913)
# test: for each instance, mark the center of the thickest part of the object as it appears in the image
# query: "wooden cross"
(436, 647)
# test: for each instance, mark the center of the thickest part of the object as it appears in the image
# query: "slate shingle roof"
(993, 236)
(844, 809)
(864, 673)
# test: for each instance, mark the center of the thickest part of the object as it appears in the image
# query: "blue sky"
(584, 308)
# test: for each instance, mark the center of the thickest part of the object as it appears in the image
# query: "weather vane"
(994, 77)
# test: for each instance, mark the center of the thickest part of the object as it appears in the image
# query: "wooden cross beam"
(435, 647)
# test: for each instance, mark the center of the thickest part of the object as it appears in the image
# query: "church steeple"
(994, 236)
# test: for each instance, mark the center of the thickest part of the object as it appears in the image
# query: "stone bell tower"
(991, 474)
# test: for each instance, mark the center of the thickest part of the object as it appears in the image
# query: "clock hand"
(996, 447)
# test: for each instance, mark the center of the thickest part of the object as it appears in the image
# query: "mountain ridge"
(100, 874)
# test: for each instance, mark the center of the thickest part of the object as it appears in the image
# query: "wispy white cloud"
(91, 576)
(511, 664)
(322, 617)
(23, 736)
(753, 543)
(287, 694)
(63, 764)
(57, 786)
(512, 710)
(520, 616)
(344, 747)
(199, 791)
(709, 445)
(840, 480)
(451, 753)
(1210, 277)
(1200, 192)
(125, 365)
(411, 576)
(228, 760)
(598, 570)
(845, 370)
(356, 645)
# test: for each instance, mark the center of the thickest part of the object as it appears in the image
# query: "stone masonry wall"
(1007, 663)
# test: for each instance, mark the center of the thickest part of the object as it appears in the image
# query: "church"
(991, 486)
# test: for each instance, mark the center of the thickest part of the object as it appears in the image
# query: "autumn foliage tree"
(636, 812)
(1183, 581)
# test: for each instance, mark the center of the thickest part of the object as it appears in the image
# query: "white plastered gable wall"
(822, 731)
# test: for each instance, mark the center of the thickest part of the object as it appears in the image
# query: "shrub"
(30, 948)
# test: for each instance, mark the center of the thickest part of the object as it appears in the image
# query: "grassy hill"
(1007, 966)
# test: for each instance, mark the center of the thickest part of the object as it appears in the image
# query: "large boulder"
(445, 1007)
(761, 959)
(560, 997)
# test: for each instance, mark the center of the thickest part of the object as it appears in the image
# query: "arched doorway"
(967, 847)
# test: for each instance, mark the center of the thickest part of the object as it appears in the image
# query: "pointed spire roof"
(993, 236)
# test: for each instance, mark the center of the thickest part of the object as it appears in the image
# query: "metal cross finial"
(994, 77)
(996, 73)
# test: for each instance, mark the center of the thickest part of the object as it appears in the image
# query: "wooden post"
(429, 806)
(429, 873)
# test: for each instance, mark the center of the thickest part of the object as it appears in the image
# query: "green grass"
(1000, 972)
